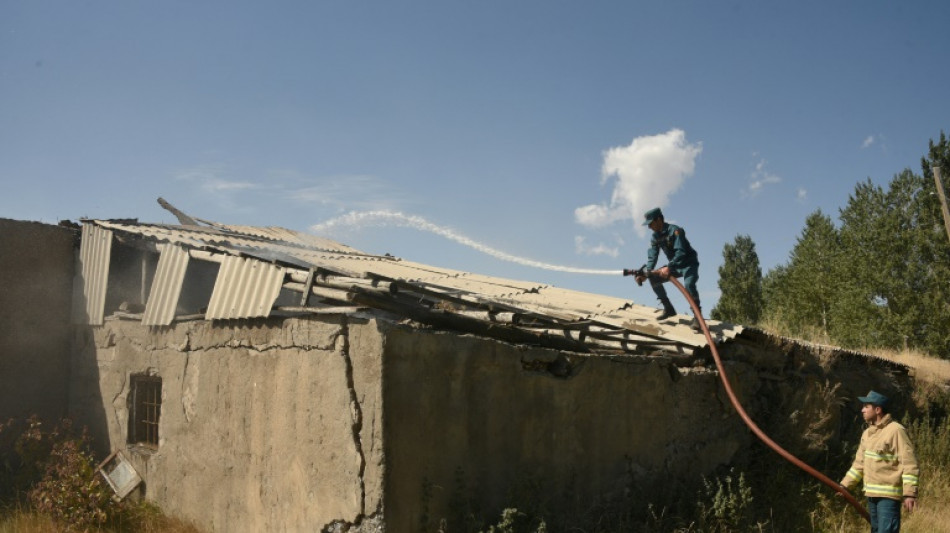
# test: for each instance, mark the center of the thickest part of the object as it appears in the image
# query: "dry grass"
(926, 367)
(27, 522)
(146, 521)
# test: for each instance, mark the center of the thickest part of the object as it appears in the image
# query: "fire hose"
(752, 425)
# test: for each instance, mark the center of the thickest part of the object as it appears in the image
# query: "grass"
(925, 367)
(20, 521)
(144, 519)
(930, 434)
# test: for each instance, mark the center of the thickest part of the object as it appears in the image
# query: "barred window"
(145, 402)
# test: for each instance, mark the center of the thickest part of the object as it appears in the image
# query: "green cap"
(652, 215)
(875, 398)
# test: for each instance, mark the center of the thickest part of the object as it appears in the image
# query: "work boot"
(695, 325)
(668, 310)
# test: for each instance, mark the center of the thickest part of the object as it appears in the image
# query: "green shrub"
(71, 492)
(514, 521)
(727, 505)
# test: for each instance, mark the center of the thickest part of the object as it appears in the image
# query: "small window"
(145, 402)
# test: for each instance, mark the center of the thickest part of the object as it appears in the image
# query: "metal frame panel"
(244, 288)
(92, 276)
(166, 286)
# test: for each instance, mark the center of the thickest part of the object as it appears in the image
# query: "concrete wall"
(486, 419)
(265, 425)
(346, 423)
(36, 269)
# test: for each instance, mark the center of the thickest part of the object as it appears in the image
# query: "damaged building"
(258, 378)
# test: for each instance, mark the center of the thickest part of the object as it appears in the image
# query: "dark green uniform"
(683, 261)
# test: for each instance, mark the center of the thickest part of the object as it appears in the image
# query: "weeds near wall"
(48, 482)
(53, 470)
(70, 491)
(514, 521)
(727, 505)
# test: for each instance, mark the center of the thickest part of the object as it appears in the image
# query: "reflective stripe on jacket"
(885, 462)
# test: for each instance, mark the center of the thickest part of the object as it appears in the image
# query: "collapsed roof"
(160, 273)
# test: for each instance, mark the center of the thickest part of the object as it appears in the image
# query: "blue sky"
(539, 129)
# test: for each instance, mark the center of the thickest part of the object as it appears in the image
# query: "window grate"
(146, 410)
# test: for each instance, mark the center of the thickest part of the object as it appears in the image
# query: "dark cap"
(875, 398)
(652, 215)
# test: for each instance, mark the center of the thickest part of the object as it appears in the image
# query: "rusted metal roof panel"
(244, 288)
(92, 276)
(166, 286)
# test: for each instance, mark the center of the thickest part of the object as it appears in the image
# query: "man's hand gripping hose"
(644, 274)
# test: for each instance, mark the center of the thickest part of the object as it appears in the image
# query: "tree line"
(880, 278)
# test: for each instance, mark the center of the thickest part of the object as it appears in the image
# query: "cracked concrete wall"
(266, 425)
(463, 411)
(36, 270)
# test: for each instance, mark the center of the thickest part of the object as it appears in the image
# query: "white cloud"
(868, 142)
(210, 179)
(759, 178)
(802, 194)
(340, 192)
(346, 192)
(199, 173)
(581, 247)
(647, 172)
(224, 185)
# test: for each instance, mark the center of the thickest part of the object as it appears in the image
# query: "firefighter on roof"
(683, 261)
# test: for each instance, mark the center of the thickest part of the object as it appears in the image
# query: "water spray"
(391, 218)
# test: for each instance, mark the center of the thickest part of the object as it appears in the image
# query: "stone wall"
(266, 425)
(479, 420)
(36, 269)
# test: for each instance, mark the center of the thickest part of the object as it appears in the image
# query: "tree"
(740, 281)
(799, 295)
(862, 314)
(883, 279)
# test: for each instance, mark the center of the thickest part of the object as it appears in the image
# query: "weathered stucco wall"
(36, 269)
(327, 422)
(266, 425)
(487, 418)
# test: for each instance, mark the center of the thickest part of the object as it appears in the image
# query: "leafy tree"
(933, 333)
(740, 280)
(800, 294)
(775, 294)
(883, 279)
(862, 312)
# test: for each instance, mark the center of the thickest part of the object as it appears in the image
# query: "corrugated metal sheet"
(282, 234)
(247, 288)
(244, 288)
(584, 304)
(166, 286)
(92, 276)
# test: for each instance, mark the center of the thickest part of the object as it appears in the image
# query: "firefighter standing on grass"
(683, 262)
(886, 463)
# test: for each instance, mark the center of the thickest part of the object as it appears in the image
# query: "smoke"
(648, 172)
(390, 218)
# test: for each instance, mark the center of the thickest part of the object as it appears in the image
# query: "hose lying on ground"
(748, 421)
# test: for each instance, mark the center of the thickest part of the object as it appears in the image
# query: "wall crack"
(356, 413)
